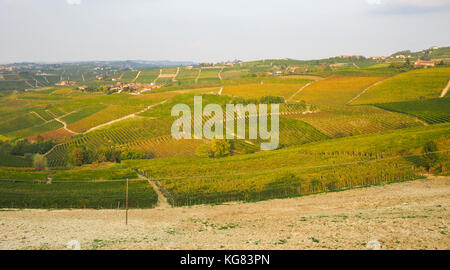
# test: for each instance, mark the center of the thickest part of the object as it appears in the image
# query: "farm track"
(137, 76)
(444, 92)
(65, 126)
(124, 117)
(198, 76)
(365, 90)
(409, 215)
(38, 115)
(220, 74)
(176, 74)
(162, 200)
(298, 91)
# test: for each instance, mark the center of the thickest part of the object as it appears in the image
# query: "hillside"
(412, 85)
(344, 122)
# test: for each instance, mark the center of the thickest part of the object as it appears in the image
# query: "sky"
(213, 31)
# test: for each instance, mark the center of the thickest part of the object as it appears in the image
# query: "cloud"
(74, 2)
(407, 6)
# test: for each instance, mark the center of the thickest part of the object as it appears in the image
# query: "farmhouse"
(424, 64)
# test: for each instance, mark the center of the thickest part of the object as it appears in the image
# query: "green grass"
(412, 85)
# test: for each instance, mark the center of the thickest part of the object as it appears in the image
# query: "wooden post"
(126, 205)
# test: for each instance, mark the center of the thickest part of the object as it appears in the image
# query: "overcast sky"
(210, 30)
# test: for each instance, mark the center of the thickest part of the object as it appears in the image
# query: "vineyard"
(412, 85)
(355, 120)
(148, 76)
(209, 75)
(83, 188)
(335, 90)
(326, 142)
(262, 89)
(433, 111)
(192, 182)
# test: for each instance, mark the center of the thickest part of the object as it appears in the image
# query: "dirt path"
(365, 90)
(29, 84)
(444, 92)
(299, 90)
(159, 76)
(162, 200)
(410, 215)
(65, 126)
(176, 74)
(137, 76)
(220, 74)
(38, 115)
(198, 76)
(124, 117)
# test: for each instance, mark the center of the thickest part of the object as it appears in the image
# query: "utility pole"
(126, 205)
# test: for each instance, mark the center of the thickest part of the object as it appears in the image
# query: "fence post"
(126, 203)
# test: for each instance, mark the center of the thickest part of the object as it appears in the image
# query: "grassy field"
(412, 85)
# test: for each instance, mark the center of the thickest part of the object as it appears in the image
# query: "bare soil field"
(410, 215)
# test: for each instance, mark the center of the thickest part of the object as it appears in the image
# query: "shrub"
(220, 148)
(430, 158)
(39, 162)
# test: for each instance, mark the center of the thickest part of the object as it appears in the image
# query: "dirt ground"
(411, 215)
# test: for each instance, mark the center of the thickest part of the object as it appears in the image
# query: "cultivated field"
(410, 215)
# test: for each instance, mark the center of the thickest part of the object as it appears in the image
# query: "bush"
(430, 158)
(39, 162)
(220, 148)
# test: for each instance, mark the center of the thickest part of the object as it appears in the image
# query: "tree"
(77, 156)
(220, 148)
(39, 162)
(430, 157)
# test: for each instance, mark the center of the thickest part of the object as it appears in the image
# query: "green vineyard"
(432, 111)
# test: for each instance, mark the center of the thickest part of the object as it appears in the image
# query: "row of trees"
(21, 147)
(261, 100)
(83, 155)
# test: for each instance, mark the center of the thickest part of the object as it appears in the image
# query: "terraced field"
(412, 85)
